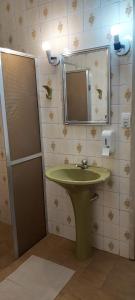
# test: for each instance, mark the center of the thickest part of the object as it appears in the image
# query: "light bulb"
(46, 46)
(66, 51)
(115, 30)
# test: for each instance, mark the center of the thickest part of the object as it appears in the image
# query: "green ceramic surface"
(72, 175)
(78, 182)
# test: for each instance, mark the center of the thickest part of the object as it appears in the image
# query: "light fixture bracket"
(53, 60)
(121, 47)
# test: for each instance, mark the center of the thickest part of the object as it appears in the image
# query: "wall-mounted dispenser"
(108, 142)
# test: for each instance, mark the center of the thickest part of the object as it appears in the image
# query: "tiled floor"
(6, 245)
(103, 277)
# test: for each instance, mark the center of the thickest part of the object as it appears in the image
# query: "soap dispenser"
(108, 142)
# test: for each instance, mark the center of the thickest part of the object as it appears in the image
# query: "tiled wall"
(77, 25)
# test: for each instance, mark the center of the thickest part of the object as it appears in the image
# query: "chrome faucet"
(83, 165)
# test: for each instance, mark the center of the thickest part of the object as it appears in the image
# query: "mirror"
(86, 86)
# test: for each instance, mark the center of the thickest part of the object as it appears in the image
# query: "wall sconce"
(121, 47)
(53, 60)
(66, 51)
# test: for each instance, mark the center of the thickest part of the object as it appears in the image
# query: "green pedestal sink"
(77, 182)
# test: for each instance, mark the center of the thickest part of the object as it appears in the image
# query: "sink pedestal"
(78, 183)
(82, 210)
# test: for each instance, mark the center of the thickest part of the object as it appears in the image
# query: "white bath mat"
(35, 279)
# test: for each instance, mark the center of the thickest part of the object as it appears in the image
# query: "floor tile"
(121, 280)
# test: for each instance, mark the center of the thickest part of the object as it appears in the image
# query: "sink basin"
(78, 183)
(72, 175)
